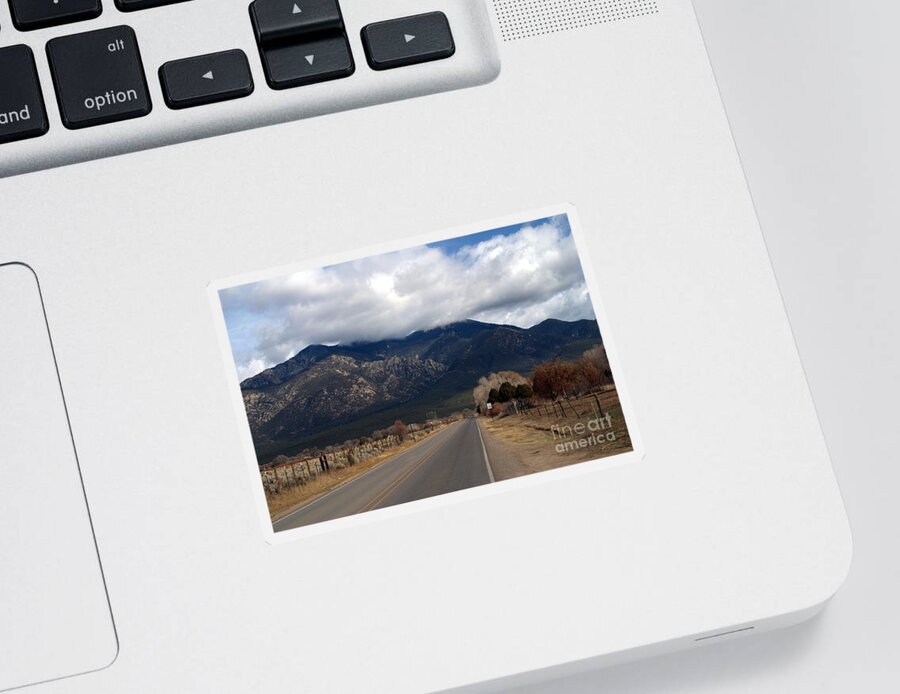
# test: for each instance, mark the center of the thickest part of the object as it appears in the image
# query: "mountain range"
(327, 394)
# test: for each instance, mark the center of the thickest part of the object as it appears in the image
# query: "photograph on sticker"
(423, 371)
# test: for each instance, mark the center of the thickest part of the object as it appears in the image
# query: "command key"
(22, 111)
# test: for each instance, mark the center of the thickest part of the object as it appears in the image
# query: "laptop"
(386, 347)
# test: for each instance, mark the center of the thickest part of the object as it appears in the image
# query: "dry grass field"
(549, 437)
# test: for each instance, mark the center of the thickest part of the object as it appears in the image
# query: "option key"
(99, 77)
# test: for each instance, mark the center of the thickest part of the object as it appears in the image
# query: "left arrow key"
(206, 79)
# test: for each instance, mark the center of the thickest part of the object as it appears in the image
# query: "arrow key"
(297, 64)
(408, 40)
(274, 20)
(206, 79)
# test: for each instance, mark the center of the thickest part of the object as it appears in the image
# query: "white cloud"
(520, 278)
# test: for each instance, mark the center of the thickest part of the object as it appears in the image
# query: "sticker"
(400, 375)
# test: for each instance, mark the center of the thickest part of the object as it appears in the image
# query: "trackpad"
(55, 619)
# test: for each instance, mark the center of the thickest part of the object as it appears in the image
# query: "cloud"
(518, 277)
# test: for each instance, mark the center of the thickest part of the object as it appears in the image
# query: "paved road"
(450, 460)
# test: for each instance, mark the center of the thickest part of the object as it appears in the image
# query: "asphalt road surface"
(450, 460)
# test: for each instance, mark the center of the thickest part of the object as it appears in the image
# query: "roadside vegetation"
(553, 384)
(567, 411)
(292, 481)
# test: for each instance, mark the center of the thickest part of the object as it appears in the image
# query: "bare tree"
(597, 356)
(555, 379)
(398, 429)
(481, 392)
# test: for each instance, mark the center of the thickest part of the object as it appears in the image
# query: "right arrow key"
(408, 40)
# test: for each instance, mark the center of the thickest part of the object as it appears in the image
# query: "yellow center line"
(381, 497)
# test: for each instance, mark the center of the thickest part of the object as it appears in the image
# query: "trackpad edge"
(55, 618)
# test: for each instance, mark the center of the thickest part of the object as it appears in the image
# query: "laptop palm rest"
(55, 618)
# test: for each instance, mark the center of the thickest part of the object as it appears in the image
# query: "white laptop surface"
(470, 365)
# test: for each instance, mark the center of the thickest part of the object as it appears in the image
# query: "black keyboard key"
(206, 79)
(22, 111)
(408, 40)
(297, 64)
(285, 19)
(37, 14)
(99, 77)
(132, 5)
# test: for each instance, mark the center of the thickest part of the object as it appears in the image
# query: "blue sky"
(451, 246)
(518, 275)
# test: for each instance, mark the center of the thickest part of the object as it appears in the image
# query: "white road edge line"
(487, 460)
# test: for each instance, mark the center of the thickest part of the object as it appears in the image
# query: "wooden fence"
(285, 473)
(587, 404)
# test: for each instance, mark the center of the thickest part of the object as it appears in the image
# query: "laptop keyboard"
(106, 75)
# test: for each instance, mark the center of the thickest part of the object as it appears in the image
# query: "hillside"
(327, 394)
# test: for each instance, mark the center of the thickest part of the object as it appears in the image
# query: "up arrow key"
(287, 21)
(408, 37)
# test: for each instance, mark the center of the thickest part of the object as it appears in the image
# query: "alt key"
(99, 77)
